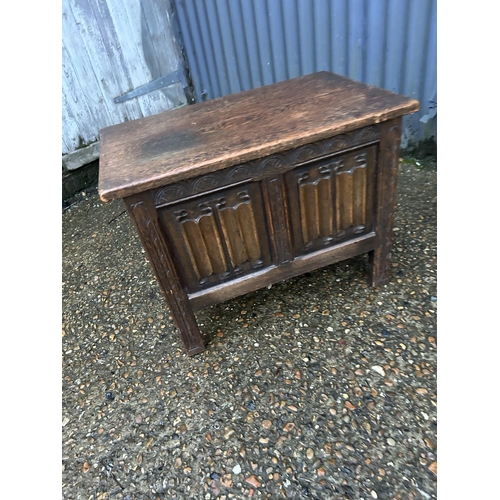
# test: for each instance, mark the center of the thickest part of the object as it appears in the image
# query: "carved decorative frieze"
(270, 165)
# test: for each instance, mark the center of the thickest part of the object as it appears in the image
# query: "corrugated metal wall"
(110, 47)
(234, 45)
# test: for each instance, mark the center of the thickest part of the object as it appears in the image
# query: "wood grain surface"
(194, 140)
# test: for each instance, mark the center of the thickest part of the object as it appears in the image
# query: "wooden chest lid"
(201, 138)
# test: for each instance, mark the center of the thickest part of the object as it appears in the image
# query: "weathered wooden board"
(208, 136)
(109, 48)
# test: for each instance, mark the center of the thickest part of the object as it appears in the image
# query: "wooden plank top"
(201, 138)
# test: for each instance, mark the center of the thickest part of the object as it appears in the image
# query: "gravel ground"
(320, 387)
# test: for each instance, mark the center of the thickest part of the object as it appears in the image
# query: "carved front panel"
(218, 237)
(333, 199)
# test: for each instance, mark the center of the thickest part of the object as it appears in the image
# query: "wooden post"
(144, 215)
(387, 173)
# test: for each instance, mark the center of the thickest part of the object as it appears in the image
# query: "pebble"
(228, 432)
(252, 480)
(391, 442)
(267, 424)
(237, 469)
(350, 405)
(310, 453)
(378, 369)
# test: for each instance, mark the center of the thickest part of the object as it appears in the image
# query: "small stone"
(429, 443)
(267, 424)
(183, 428)
(422, 390)
(138, 419)
(228, 432)
(237, 469)
(292, 407)
(373, 493)
(253, 481)
(391, 442)
(310, 453)
(86, 467)
(433, 468)
(288, 427)
(350, 405)
(378, 369)
(215, 489)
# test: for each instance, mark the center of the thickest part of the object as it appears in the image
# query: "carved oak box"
(246, 190)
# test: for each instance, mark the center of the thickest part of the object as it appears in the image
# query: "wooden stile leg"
(380, 258)
(144, 216)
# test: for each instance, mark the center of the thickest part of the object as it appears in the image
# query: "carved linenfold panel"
(334, 197)
(352, 195)
(219, 236)
(271, 165)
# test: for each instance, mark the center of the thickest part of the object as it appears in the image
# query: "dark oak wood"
(241, 192)
(205, 137)
(275, 274)
(144, 216)
(380, 257)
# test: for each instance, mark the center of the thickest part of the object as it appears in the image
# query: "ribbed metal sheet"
(234, 45)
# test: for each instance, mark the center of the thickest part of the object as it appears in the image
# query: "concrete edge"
(81, 157)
